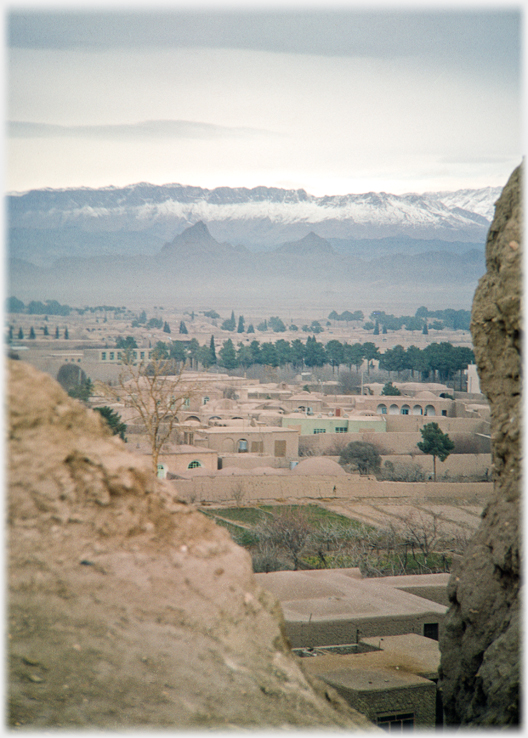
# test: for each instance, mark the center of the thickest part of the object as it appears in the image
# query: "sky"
(334, 99)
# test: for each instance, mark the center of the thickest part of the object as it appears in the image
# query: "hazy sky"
(333, 100)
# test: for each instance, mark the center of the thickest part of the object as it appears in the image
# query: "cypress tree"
(213, 350)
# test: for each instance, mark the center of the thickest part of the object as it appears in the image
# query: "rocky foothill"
(481, 642)
(128, 608)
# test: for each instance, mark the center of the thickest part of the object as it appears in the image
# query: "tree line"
(437, 361)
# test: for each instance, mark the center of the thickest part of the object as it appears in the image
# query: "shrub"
(362, 456)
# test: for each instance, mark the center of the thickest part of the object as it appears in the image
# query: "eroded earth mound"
(480, 646)
(128, 608)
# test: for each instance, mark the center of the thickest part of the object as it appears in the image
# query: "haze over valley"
(146, 244)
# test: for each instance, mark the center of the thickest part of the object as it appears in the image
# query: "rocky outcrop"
(480, 665)
(128, 608)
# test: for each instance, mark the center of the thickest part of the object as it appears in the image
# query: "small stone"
(29, 661)
(35, 678)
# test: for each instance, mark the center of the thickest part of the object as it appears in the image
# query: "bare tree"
(157, 390)
(289, 531)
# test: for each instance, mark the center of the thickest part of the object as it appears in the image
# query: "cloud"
(479, 37)
(150, 129)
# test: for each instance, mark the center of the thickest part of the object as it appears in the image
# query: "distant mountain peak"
(309, 244)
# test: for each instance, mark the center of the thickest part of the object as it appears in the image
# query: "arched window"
(405, 409)
(242, 446)
(381, 409)
(394, 410)
(429, 410)
(417, 410)
(194, 465)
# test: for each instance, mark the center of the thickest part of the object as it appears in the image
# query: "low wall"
(289, 487)
(310, 633)
(456, 465)
(389, 443)
(410, 423)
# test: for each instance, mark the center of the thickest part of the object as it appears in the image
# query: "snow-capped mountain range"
(53, 223)
(176, 243)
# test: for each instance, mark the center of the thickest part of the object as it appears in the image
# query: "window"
(280, 449)
(242, 446)
(111, 355)
(103, 356)
(194, 465)
(381, 409)
(141, 354)
(205, 400)
(319, 430)
(431, 631)
(341, 429)
(405, 410)
(444, 413)
(187, 402)
(257, 447)
(396, 723)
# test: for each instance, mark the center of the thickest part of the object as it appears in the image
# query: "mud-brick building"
(337, 606)
(392, 680)
(282, 443)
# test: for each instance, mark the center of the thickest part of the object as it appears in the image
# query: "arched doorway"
(381, 409)
(417, 410)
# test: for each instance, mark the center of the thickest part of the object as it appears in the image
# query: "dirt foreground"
(127, 608)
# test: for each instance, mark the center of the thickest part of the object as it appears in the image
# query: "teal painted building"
(309, 425)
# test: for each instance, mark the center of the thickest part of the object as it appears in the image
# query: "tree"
(183, 327)
(212, 350)
(20, 334)
(230, 323)
(363, 456)
(113, 419)
(370, 352)
(157, 390)
(288, 530)
(250, 329)
(389, 389)
(204, 356)
(315, 354)
(276, 324)
(14, 305)
(66, 332)
(178, 352)
(57, 332)
(228, 358)
(166, 327)
(82, 391)
(240, 328)
(376, 329)
(435, 443)
(268, 355)
(353, 355)
(125, 343)
(46, 331)
(32, 332)
(192, 351)
(425, 330)
(284, 352)
(161, 351)
(335, 353)
(155, 323)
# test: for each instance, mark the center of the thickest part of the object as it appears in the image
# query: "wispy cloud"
(148, 129)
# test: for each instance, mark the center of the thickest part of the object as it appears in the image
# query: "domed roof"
(319, 465)
(425, 395)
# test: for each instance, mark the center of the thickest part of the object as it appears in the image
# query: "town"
(310, 424)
